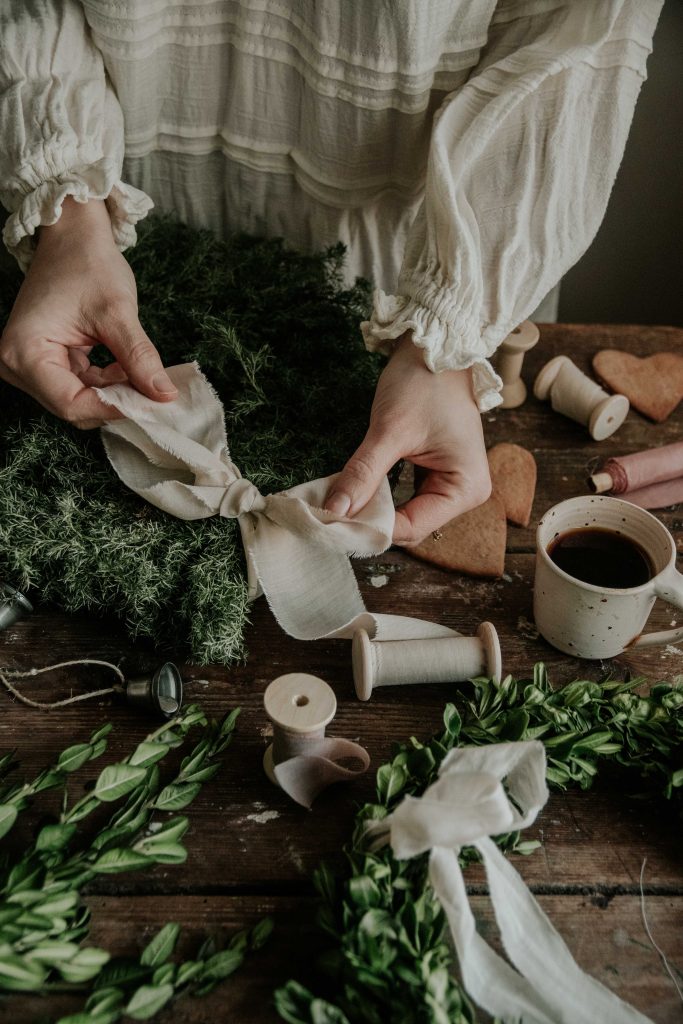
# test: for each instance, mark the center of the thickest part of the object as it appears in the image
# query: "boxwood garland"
(389, 960)
(277, 334)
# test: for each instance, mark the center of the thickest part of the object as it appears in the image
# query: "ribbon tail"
(537, 949)
(305, 776)
(402, 627)
(313, 592)
(659, 495)
(487, 978)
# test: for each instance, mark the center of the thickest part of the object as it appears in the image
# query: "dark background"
(633, 271)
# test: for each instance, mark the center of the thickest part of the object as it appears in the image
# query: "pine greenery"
(277, 335)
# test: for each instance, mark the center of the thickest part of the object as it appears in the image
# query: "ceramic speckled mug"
(591, 621)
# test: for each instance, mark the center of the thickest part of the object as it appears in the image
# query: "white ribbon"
(175, 455)
(465, 807)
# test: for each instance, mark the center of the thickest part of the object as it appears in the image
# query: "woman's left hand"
(432, 420)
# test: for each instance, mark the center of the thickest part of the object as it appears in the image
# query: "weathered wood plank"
(597, 838)
(606, 937)
(246, 836)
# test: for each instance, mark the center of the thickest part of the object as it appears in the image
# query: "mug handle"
(669, 586)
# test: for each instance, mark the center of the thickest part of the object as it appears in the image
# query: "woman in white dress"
(464, 150)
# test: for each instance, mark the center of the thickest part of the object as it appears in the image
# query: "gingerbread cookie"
(653, 385)
(513, 476)
(473, 542)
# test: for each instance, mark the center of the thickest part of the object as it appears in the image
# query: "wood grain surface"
(252, 851)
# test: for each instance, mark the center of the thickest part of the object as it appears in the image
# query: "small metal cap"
(13, 605)
(161, 692)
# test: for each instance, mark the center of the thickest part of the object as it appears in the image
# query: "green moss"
(277, 335)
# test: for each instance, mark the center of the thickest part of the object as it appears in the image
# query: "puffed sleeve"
(521, 164)
(60, 123)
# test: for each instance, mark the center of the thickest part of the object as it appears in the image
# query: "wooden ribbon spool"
(448, 659)
(509, 359)
(301, 759)
(299, 706)
(575, 395)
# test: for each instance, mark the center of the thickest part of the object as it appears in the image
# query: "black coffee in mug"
(601, 557)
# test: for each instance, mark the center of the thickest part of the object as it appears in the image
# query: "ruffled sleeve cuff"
(36, 200)
(449, 340)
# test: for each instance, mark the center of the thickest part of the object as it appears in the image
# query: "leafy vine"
(388, 961)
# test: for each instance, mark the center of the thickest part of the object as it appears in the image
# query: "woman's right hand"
(79, 291)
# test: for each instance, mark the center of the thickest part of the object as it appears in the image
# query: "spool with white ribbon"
(175, 455)
(575, 395)
(301, 759)
(466, 806)
(448, 659)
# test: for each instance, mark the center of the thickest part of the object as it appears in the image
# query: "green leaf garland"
(43, 923)
(389, 960)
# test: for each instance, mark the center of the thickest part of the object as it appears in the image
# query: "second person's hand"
(432, 420)
(79, 291)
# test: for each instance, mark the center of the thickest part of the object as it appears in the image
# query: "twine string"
(7, 675)
(660, 952)
(439, 660)
(617, 471)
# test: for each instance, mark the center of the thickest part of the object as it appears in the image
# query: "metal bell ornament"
(161, 692)
(13, 605)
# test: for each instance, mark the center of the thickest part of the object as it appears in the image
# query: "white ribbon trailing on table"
(465, 807)
(175, 455)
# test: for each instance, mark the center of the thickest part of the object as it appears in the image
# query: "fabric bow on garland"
(483, 792)
(175, 455)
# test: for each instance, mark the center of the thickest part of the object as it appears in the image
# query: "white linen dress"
(463, 150)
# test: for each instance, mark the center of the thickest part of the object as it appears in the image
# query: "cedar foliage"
(277, 335)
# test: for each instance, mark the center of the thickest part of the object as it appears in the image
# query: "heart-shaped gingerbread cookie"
(473, 542)
(513, 476)
(653, 384)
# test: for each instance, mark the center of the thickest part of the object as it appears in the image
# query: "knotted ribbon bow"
(465, 807)
(175, 455)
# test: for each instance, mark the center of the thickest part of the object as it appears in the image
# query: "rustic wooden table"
(252, 851)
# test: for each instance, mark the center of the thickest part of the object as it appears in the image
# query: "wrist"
(407, 352)
(76, 221)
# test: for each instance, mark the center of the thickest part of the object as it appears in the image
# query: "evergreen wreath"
(277, 335)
